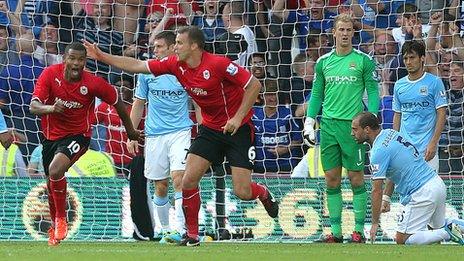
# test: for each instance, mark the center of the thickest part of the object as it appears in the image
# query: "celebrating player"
(422, 192)
(225, 92)
(419, 102)
(339, 82)
(167, 127)
(64, 97)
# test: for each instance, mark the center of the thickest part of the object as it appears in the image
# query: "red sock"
(51, 204)
(58, 188)
(191, 205)
(258, 191)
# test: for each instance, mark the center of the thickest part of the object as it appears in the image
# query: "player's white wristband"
(386, 198)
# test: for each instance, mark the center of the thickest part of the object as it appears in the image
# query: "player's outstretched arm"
(125, 63)
(38, 108)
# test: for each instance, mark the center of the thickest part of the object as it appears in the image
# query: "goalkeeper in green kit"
(340, 79)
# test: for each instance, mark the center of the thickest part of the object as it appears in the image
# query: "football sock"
(334, 204)
(51, 204)
(58, 188)
(258, 191)
(191, 206)
(359, 207)
(180, 219)
(428, 237)
(162, 208)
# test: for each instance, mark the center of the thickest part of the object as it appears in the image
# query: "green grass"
(93, 251)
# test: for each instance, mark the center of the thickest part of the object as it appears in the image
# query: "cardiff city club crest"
(206, 74)
(84, 90)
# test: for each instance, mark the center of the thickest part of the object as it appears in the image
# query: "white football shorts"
(427, 207)
(166, 153)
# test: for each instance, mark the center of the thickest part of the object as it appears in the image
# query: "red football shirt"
(216, 85)
(78, 98)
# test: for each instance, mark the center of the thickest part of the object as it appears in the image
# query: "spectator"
(278, 137)
(259, 69)
(16, 86)
(232, 17)
(47, 51)
(282, 24)
(318, 44)
(319, 18)
(451, 141)
(373, 15)
(427, 7)
(300, 83)
(126, 18)
(98, 28)
(116, 136)
(210, 22)
(409, 24)
(389, 63)
(7, 50)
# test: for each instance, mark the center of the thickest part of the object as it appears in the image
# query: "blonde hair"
(346, 18)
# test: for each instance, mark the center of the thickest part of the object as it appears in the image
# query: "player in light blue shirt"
(422, 191)
(167, 130)
(5, 136)
(419, 103)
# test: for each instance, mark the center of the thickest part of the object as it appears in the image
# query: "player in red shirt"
(64, 97)
(225, 92)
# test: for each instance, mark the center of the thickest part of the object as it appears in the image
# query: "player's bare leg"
(359, 205)
(245, 189)
(195, 168)
(59, 165)
(333, 179)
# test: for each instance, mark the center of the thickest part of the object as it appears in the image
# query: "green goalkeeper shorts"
(338, 148)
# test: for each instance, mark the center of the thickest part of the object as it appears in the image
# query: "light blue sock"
(162, 209)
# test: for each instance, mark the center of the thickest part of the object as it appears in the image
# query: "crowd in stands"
(278, 41)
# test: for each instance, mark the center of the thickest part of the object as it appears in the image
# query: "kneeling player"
(422, 191)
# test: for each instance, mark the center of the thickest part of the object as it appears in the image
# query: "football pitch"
(94, 251)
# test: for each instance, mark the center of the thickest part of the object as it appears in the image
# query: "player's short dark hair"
(414, 46)
(76, 46)
(195, 35)
(168, 36)
(367, 119)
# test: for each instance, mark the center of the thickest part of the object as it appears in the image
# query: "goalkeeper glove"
(309, 134)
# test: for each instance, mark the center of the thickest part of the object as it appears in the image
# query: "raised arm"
(125, 63)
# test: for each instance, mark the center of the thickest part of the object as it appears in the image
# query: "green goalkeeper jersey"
(339, 84)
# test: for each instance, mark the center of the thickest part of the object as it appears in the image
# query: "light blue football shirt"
(417, 101)
(167, 104)
(3, 127)
(395, 158)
